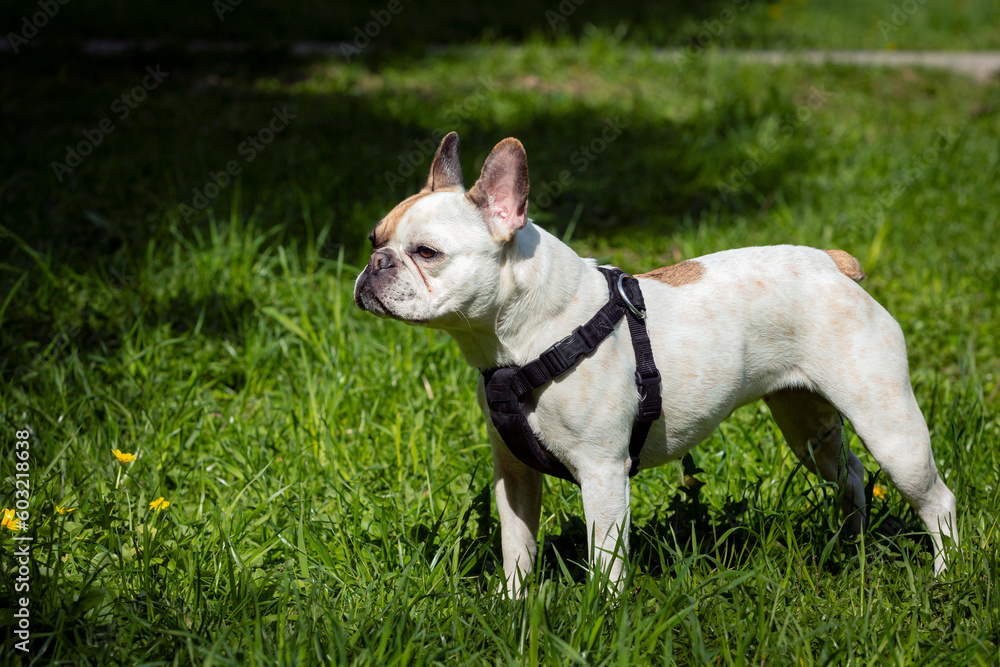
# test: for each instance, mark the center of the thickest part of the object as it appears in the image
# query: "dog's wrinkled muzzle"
(365, 294)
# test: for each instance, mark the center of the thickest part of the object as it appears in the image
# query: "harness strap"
(507, 414)
(508, 388)
(647, 377)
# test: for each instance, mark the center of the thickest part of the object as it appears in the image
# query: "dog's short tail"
(847, 265)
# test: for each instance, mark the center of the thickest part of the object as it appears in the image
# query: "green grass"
(329, 474)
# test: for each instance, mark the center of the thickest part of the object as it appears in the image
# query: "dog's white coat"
(780, 322)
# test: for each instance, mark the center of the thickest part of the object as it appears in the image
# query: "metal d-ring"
(641, 314)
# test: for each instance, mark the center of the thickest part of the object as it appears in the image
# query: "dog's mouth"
(367, 299)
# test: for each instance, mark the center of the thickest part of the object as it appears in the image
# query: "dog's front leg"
(606, 492)
(518, 491)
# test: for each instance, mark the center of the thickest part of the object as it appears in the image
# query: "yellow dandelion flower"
(10, 520)
(123, 457)
(880, 492)
(65, 510)
(159, 504)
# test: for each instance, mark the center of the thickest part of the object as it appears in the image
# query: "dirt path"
(982, 65)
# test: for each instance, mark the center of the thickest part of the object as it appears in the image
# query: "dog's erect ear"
(501, 193)
(446, 170)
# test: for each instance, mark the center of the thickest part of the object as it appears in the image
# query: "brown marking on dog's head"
(687, 272)
(445, 176)
(386, 227)
(847, 265)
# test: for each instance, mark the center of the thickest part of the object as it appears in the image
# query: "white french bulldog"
(786, 323)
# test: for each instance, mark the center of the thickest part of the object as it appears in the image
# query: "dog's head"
(437, 254)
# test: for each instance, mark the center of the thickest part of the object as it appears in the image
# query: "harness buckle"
(649, 387)
(567, 352)
(553, 361)
(641, 314)
(587, 345)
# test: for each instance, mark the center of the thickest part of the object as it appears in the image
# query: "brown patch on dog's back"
(687, 272)
(386, 227)
(847, 265)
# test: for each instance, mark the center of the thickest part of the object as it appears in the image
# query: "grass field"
(328, 473)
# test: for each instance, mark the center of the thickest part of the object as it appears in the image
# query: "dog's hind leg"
(863, 370)
(885, 415)
(812, 427)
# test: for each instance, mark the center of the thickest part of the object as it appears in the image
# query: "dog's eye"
(426, 253)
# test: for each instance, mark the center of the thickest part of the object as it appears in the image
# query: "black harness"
(509, 387)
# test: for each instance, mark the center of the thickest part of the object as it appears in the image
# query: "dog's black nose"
(381, 260)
